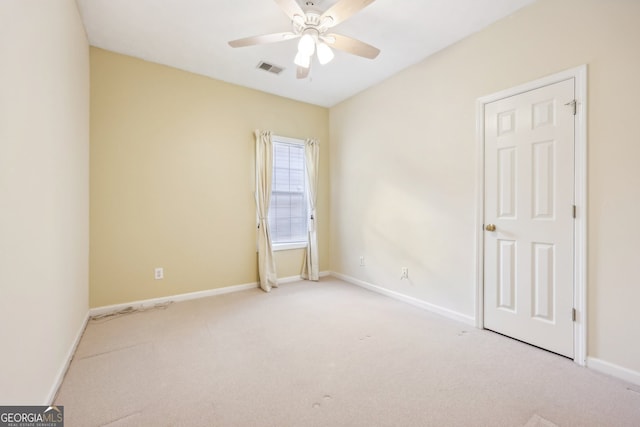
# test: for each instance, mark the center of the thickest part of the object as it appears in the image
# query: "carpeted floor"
(324, 354)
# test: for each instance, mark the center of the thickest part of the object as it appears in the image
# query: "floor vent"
(270, 67)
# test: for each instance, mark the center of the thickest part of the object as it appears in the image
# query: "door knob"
(491, 227)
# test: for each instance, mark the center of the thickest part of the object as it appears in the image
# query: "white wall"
(403, 162)
(44, 196)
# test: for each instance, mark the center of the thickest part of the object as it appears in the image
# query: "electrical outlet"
(361, 261)
(159, 273)
(404, 274)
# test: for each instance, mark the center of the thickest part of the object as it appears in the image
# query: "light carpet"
(324, 354)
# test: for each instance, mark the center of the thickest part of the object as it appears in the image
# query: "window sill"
(289, 246)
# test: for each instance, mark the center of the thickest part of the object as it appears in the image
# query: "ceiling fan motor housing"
(311, 21)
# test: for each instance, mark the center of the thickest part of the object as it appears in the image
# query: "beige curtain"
(264, 170)
(310, 268)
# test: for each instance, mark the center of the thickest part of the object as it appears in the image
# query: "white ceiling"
(192, 35)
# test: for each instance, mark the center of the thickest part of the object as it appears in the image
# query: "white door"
(529, 215)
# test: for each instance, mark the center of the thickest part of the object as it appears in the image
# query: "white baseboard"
(65, 366)
(171, 298)
(445, 312)
(614, 370)
(291, 279)
(96, 311)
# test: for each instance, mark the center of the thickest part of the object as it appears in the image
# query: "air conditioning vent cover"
(274, 69)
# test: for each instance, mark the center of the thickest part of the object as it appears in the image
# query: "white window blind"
(288, 209)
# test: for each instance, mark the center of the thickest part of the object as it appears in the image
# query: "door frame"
(580, 200)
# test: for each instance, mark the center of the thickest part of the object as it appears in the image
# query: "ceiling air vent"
(270, 67)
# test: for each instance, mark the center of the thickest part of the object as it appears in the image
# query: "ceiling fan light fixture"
(325, 54)
(302, 60)
(311, 26)
(306, 45)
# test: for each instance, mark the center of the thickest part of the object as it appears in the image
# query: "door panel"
(507, 276)
(529, 193)
(543, 281)
(507, 182)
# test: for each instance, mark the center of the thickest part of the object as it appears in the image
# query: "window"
(289, 205)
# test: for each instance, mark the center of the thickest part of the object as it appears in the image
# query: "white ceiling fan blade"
(290, 7)
(302, 72)
(343, 10)
(263, 39)
(352, 46)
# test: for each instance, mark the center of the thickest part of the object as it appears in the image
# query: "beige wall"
(172, 179)
(403, 163)
(44, 194)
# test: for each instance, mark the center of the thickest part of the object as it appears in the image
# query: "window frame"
(284, 246)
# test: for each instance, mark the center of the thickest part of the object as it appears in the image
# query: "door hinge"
(574, 314)
(574, 211)
(573, 104)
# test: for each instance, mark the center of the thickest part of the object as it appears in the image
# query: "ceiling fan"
(312, 27)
